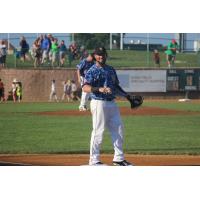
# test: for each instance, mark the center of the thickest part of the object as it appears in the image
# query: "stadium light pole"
(148, 49)
(110, 41)
(121, 41)
(72, 37)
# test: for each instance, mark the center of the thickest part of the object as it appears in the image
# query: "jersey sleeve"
(81, 65)
(116, 77)
(89, 78)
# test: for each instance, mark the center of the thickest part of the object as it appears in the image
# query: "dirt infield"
(124, 111)
(82, 159)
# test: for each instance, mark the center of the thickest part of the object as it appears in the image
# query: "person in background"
(156, 58)
(82, 69)
(83, 53)
(37, 52)
(74, 50)
(19, 91)
(45, 46)
(14, 90)
(171, 53)
(50, 39)
(67, 91)
(3, 53)
(54, 53)
(24, 49)
(53, 91)
(2, 96)
(74, 91)
(72, 53)
(62, 53)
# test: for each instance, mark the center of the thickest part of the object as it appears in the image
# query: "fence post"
(110, 41)
(147, 49)
(121, 41)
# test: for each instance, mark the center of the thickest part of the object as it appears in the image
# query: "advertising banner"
(142, 80)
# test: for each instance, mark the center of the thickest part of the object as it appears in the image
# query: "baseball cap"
(100, 51)
(15, 80)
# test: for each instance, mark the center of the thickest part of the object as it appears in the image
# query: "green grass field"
(125, 58)
(21, 131)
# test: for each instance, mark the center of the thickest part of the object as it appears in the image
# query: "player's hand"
(105, 90)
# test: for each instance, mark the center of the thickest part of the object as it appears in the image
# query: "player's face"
(101, 59)
(89, 58)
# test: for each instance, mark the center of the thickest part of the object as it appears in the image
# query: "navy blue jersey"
(84, 66)
(102, 77)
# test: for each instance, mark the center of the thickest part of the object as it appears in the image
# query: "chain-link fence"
(124, 50)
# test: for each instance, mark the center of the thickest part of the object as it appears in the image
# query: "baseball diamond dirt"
(124, 111)
(82, 159)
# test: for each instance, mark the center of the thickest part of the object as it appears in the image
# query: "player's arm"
(120, 91)
(80, 66)
(118, 88)
(79, 76)
(89, 89)
(135, 101)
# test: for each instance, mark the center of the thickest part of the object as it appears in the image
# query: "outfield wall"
(152, 83)
(36, 83)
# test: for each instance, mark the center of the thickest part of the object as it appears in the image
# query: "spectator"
(83, 53)
(51, 39)
(2, 53)
(73, 53)
(62, 53)
(19, 91)
(45, 46)
(74, 50)
(37, 52)
(41, 39)
(171, 53)
(74, 94)
(67, 91)
(54, 53)
(53, 91)
(156, 58)
(14, 90)
(2, 96)
(24, 49)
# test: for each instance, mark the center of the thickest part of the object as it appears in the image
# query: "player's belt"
(107, 99)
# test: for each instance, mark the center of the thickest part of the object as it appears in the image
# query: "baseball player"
(102, 82)
(82, 69)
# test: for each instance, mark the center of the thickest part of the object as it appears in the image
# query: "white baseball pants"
(84, 96)
(105, 114)
(84, 99)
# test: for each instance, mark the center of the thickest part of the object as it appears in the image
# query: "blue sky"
(154, 38)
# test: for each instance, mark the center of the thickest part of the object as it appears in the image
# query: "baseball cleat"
(122, 163)
(98, 164)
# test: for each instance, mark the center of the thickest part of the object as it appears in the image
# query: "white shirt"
(74, 88)
(53, 87)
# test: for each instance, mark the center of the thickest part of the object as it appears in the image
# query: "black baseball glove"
(135, 100)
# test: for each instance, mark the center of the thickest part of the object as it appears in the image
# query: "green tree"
(92, 40)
